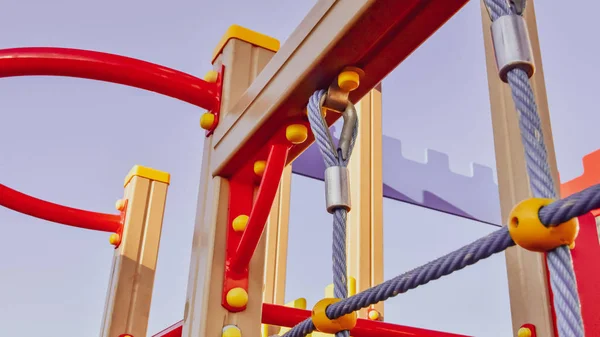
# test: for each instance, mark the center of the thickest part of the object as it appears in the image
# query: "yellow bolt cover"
(114, 239)
(323, 324)
(348, 80)
(207, 121)
(231, 331)
(529, 232)
(120, 205)
(237, 297)
(524, 332)
(259, 167)
(211, 76)
(239, 223)
(323, 112)
(373, 314)
(296, 133)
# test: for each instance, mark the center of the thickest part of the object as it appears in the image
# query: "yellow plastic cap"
(296, 133)
(114, 239)
(524, 332)
(211, 76)
(120, 205)
(259, 167)
(207, 120)
(529, 232)
(348, 80)
(237, 297)
(323, 324)
(373, 314)
(148, 173)
(246, 35)
(239, 223)
(231, 331)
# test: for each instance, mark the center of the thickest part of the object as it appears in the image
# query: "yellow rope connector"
(529, 232)
(323, 324)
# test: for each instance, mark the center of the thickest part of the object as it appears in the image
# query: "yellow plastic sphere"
(114, 239)
(348, 80)
(524, 332)
(296, 133)
(239, 223)
(120, 205)
(237, 297)
(231, 331)
(207, 121)
(323, 324)
(211, 76)
(373, 314)
(527, 230)
(259, 167)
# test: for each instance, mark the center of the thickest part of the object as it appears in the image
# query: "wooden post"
(243, 58)
(277, 242)
(134, 264)
(365, 220)
(527, 281)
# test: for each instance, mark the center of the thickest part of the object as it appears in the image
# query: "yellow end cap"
(237, 297)
(323, 324)
(373, 314)
(211, 76)
(323, 112)
(529, 232)
(207, 120)
(120, 205)
(246, 35)
(296, 133)
(524, 332)
(114, 239)
(348, 80)
(231, 331)
(259, 167)
(148, 173)
(239, 223)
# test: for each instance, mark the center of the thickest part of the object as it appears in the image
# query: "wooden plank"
(527, 279)
(365, 220)
(373, 35)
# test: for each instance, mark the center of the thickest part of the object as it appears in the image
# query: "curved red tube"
(38, 208)
(110, 68)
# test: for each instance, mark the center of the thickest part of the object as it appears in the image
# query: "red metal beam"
(279, 315)
(42, 209)
(93, 65)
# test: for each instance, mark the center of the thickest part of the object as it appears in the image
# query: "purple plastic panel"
(432, 184)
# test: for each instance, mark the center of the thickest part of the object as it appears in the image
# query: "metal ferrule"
(337, 188)
(512, 46)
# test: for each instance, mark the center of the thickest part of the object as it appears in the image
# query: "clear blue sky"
(72, 141)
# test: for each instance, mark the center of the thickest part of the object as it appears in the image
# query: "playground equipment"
(256, 125)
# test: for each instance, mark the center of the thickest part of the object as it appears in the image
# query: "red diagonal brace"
(241, 245)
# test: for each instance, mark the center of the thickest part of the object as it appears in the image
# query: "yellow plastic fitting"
(239, 223)
(211, 76)
(323, 324)
(524, 332)
(114, 239)
(323, 112)
(207, 121)
(296, 133)
(120, 205)
(529, 232)
(348, 80)
(231, 331)
(259, 167)
(373, 314)
(237, 297)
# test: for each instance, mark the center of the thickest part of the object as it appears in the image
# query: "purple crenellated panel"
(431, 184)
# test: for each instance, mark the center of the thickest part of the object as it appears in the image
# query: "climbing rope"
(334, 156)
(562, 276)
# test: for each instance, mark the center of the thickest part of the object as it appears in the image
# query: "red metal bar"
(279, 315)
(261, 208)
(41, 209)
(110, 68)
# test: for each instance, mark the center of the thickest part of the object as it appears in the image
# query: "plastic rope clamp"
(337, 188)
(326, 325)
(512, 46)
(529, 232)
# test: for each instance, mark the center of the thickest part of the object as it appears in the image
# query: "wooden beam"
(365, 220)
(373, 35)
(527, 281)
